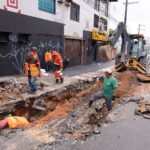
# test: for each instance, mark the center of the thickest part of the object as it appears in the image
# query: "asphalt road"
(127, 132)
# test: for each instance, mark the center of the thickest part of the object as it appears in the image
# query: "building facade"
(63, 25)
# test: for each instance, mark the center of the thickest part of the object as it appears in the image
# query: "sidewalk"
(71, 74)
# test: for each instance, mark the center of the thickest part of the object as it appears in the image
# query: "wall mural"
(18, 55)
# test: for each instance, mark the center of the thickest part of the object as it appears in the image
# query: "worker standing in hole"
(32, 70)
(109, 85)
(58, 66)
(48, 60)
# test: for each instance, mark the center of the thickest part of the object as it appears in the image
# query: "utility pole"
(126, 10)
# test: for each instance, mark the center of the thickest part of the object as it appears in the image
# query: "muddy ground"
(68, 117)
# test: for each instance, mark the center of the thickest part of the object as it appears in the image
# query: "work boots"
(57, 80)
(61, 80)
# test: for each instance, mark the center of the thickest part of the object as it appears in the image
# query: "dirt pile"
(125, 80)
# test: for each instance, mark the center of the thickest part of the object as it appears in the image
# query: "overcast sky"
(137, 14)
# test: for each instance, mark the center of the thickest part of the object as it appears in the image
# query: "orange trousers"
(58, 74)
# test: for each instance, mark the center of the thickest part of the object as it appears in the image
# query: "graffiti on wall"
(12, 4)
(17, 55)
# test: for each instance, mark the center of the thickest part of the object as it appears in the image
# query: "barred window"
(96, 21)
(75, 12)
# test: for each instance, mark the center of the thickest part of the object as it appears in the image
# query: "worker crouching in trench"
(13, 122)
(109, 85)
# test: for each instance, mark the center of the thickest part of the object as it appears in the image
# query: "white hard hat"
(109, 71)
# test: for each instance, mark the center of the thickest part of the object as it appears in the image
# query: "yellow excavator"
(133, 54)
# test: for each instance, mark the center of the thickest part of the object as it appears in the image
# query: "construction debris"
(64, 114)
(143, 109)
(13, 89)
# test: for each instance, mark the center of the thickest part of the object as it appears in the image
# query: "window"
(97, 5)
(47, 6)
(96, 21)
(105, 25)
(75, 12)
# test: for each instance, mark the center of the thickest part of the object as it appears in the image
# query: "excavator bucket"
(133, 63)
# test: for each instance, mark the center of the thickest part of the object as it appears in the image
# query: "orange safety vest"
(15, 122)
(58, 59)
(32, 68)
(48, 56)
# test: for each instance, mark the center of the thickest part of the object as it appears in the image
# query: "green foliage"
(111, 32)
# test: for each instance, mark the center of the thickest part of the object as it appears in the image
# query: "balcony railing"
(99, 5)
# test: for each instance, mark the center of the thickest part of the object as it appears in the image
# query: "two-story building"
(63, 25)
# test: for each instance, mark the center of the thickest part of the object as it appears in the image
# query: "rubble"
(64, 114)
(13, 89)
(143, 106)
(136, 99)
(143, 109)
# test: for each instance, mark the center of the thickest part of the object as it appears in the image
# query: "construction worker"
(48, 59)
(109, 85)
(58, 66)
(32, 70)
(13, 122)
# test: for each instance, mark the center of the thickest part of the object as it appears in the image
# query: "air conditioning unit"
(60, 1)
(68, 2)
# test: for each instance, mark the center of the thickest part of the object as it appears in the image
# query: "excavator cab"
(137, 43)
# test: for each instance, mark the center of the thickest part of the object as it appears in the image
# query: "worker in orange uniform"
(13, 122)
(48, 59)
(58, 67)
(32, 70)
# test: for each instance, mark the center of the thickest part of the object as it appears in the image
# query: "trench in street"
(72, 104)
(67, 114)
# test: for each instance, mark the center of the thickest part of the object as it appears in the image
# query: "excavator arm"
(120, 32)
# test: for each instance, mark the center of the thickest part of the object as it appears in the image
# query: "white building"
(115, 15)
(64, 25)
